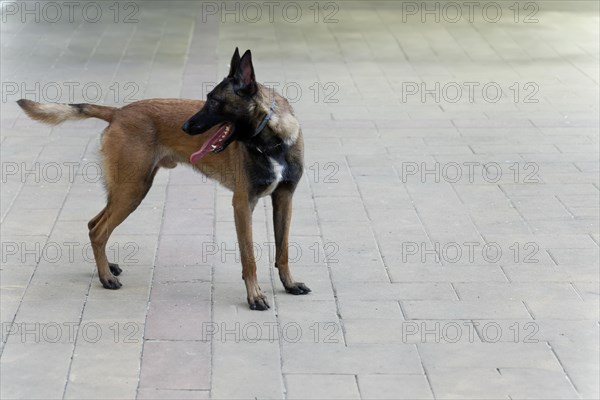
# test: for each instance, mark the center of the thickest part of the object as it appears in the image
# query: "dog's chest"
(266, 173)
(277, 170)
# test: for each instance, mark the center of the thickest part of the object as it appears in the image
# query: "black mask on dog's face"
(227, 106)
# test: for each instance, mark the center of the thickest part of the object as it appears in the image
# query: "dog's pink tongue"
(207, 146)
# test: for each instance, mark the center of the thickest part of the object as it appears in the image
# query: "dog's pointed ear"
(245, 82)
(235, 61)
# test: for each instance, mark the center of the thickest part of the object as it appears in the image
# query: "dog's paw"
(297, 288)
(115, 269)
(259, 303)
(111, 283)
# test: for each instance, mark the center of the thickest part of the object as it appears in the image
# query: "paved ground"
(447, 221)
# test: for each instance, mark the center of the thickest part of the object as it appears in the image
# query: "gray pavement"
(447, 221)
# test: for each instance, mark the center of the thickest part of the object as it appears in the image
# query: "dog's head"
(231, 106)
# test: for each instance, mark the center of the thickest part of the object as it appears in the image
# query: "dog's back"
(162, 112)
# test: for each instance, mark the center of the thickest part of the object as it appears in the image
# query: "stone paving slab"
(451, 238)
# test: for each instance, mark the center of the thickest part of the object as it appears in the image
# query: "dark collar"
(266, 119)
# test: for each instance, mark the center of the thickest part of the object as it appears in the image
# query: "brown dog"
(251, 143)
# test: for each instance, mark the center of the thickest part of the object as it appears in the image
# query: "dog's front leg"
(243, 207)
(282, 215)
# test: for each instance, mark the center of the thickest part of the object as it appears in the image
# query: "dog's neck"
(281, 120)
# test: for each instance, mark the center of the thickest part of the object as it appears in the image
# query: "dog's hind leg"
(114, 268)
(95, 220)
(124, 195)
(282, 215)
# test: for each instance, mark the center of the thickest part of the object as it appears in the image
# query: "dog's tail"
(55, 113)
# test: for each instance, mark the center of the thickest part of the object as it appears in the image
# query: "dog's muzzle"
(186, 127)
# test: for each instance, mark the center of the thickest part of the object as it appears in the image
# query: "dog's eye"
(213, 103)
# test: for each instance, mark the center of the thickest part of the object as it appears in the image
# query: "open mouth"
(214, 144)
